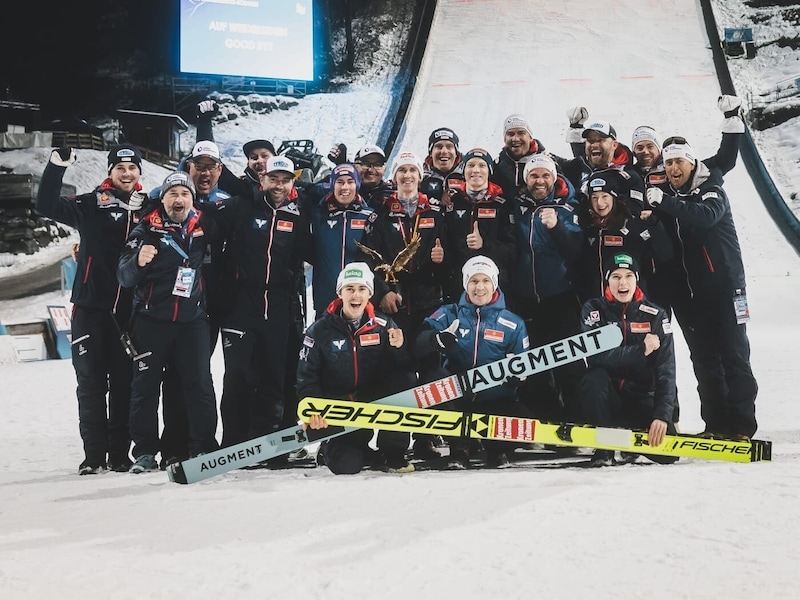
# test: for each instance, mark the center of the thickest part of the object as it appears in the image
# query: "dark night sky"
(74, 57)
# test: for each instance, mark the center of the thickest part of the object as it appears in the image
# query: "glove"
(206, 109)
(447, 337)
(730, 106)
(137, 200)
(63, 157)
(577, 116)
(338, 154)
(654, 196)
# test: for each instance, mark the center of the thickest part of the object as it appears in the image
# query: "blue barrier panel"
(68, 270)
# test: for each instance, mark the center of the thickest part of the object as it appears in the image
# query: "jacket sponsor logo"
(494, 335)
(594, 317)
(116, 215)
(396, 226)
(369, 339)
(427, 223)
(463, 332)
(487, 213)
(358, 223)
(331, 223)
(640, 327)
(338, 345)
(645, 235)
(261, 223)
(710, 195)
(523, 209)
(308, 341)
(132, 243)
(636, 194)
(506, 322)
(650, 310)
(612, 240)
(461, 213)
(284, 226)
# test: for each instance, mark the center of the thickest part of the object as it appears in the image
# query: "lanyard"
(169, 241)
(403, 229)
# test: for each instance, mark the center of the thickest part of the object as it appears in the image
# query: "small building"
(158, 132)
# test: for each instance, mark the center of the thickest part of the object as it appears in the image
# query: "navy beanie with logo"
(124, 153)
(442, 134)
(345, 169)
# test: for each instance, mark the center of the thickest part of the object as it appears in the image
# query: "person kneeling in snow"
(477, 330)
(632, 385)
(353, 352)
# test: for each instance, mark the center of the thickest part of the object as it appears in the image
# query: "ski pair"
(525, 364)
(372, 415)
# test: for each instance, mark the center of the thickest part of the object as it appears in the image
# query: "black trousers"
(186, 347)
(175, 434)
(552, 395)
(253, 388)
(720, 354)
(103, 372)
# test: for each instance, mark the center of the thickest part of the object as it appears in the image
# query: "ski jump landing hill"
(631, 62)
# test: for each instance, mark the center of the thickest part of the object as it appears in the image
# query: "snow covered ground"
(695, 529)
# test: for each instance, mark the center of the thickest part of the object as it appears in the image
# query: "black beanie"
(609, 181)
(124, 153)
(442, 133)
(253, 144)
(620, 261)
(479, 153)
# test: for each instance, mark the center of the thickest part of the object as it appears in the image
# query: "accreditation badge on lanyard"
(740, 307)
(184, 282)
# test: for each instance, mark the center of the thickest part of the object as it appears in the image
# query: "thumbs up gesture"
(474, 239)
(437, 252)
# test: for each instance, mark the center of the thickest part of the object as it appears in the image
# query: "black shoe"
(424, 449)
(627, 458)
(458, 460)
(498, 462)
(122, 465)
(91, 467)
(393, 462)
(602, 458)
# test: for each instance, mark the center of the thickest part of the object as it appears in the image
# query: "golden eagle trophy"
(400, 261)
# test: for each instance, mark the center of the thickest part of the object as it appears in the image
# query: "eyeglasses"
(371, 165)
(205, 167)
(675, 139)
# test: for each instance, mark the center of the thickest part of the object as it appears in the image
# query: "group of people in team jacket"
(454, 261)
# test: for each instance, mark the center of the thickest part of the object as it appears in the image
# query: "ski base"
(497, 427)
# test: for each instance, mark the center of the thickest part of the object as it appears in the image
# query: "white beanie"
(407, 158)
(539, 161)
(516, 121)
(357, 273)
(645, 133)
(684, 151)
(480, 264)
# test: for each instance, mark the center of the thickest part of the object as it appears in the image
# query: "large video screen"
(270, 39)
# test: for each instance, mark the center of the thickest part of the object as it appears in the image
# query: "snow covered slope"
(630, 62)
